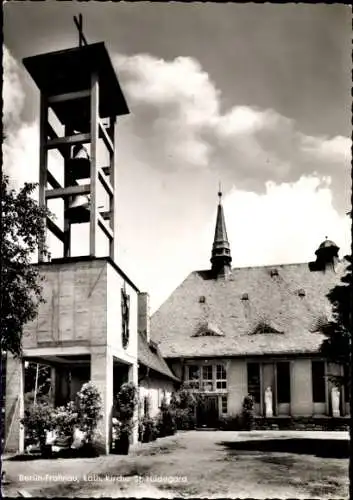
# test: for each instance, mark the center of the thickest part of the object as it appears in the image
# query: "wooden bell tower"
(80, 86)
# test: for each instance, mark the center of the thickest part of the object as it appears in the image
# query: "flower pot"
(46, 450)
(122, 445)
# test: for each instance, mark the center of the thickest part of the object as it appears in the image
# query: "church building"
(229, 332)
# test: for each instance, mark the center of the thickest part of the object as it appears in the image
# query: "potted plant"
(248, 413)
(149, 430)
(66, 420)
(166, 419)
(125, 404)
(89, 414)
(38, 421)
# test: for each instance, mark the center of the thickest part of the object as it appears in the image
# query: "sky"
(255, 96)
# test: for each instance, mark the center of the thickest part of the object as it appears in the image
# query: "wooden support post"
(43, 167)
(113, 182)
(67, 182)
(94, 170)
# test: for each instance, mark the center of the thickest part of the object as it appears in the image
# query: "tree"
(22, 228)
(336, 347)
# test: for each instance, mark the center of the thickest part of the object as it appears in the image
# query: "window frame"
(279, 383)
(257, 395)
(220, 382)
(318, 386)
(224, 399)
(213, 375)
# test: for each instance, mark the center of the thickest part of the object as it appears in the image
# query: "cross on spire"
(79, 25)
(220, 192)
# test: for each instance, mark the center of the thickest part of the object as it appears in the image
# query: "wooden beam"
(52, 181)
(70, 96)
(94, 174)
(43, 167)
(53, 135)
(73, 139)
(106, 215)
(55, 351)
(68, 181)
(106, 183)
(68, 191)
(55, 230)
(104, 135)
(113, 182)
(105, 228)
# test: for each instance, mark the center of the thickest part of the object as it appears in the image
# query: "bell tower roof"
(221, 258)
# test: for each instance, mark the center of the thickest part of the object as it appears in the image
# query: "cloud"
(284, 190)
(178, 124)
(13, 94)
(285, 224)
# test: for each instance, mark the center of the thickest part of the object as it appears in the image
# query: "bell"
(79, 168)
(78, 209)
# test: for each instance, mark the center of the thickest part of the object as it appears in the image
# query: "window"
(194, 372)
(207, 372)
(224, 404)
(207, 378)
(221, 377)
(318, 381)
(254, 381)
(193, 376)
(283, 382)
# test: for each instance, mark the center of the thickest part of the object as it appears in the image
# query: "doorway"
(207, 412)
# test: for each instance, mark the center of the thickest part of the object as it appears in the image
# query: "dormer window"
(208, 329)
(245, 296)
(263, 327)
(274, 272)
(301, 292)
(202, 299)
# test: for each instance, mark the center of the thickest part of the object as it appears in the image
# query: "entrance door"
(207, 412)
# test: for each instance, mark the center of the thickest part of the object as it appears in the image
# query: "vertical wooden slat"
(275, 390)
(261, 370)
(327, 394)
(67, 182)
(43, 167)
(94, 170)
(113, 182)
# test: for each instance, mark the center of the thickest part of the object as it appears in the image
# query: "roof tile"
(273, 300)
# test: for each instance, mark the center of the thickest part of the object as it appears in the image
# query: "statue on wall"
(268, 402)
(125, 316)
(335, 400)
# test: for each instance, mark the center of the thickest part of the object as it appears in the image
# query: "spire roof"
(221, 231)
(221, 258)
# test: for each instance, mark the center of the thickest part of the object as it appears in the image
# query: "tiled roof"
(150, 356)
(257, 310)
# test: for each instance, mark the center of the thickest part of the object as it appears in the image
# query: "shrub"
(230, 423)
(89, 410)
(166, 424)
(149, 430)
(38, 419)
(184, 398)
(66, 418)
(126, 401)
(248, 413)
(185, 419)
(184, 402)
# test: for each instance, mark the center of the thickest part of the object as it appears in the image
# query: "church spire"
(221, 258)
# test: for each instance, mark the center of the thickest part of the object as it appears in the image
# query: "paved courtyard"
(199, 464)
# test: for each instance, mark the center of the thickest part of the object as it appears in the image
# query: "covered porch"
(66, 370)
